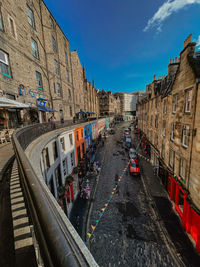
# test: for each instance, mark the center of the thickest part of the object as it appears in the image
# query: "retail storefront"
(10, 113)
(188, 213)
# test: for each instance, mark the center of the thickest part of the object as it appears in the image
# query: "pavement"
(6, 153)
(169, 221)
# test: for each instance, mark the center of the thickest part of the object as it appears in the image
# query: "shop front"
(10, 115)
(188, 213)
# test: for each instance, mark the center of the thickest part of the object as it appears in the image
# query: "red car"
(134, 167)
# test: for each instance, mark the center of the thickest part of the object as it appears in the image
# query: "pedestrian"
(95, 168)
(53, 123)
(155, 170)
(77, 221)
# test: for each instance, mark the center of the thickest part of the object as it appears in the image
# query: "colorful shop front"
(79, 143)
(188, 213)
(88, 135)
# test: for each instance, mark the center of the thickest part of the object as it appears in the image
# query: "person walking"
(53, 123)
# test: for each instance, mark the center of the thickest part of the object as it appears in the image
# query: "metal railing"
(57, 244)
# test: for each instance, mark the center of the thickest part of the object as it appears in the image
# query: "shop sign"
(35, 94)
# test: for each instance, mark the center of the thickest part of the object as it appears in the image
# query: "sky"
(123, 43)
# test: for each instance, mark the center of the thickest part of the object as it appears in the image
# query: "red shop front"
(178, 195)
(191, 222)
(189, 217)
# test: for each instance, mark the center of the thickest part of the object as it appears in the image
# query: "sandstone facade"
(168, 116)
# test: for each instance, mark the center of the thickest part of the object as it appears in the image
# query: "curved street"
(127, 234)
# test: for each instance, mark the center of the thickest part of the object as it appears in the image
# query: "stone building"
(77, 78)
(35, 66)
(109, 104)
(91, 104)
(169, 126)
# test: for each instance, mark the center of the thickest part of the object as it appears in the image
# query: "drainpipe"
(193, 130)
(72, 83)
(41, 20)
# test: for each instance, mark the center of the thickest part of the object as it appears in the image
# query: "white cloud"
(198, 43)
(166, 10)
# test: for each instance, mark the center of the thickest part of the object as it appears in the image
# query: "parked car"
(127, 141)
(134, 167)
(132, 154)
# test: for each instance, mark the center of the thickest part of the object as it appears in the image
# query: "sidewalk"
(6, 153)
(167, 216)
(81, 206)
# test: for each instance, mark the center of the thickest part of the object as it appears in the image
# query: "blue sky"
(123, 43)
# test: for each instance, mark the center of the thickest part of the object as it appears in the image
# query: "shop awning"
(46, 109)
(9, 103)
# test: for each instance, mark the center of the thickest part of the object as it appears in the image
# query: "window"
(67, 75)
(164, 128)
(85, 132)
(70, 110)
(70, 140)
(12, 28)
(156, 140)
(165, 106)
(58, 89)
(58, 176)
(62, 142)
(188, 100)
(64, 42)
(1, 22)
(163, 151)
(77, 136)
(65, 166)
(46, 157)
(56, 66)
(174, 103)
(51, 23)
(83, 148)
(82, 133)
(151, 120)
(171, 158)
(185, 135)
(156, 121)
(182, 170)
(54, 44)
(66, 59)
(31, 19)
(55, 151)
(4, 64)
(39, 79)
(69, 94)
(156, 102)
(72, 159)
(34, 48)
(172, 136)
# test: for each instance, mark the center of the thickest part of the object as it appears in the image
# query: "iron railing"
(58, 246)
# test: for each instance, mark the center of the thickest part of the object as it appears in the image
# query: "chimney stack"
(154, 77)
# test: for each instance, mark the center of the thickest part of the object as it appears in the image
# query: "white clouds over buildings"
(166, 10)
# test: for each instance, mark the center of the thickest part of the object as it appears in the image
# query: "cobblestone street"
(127, 234)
